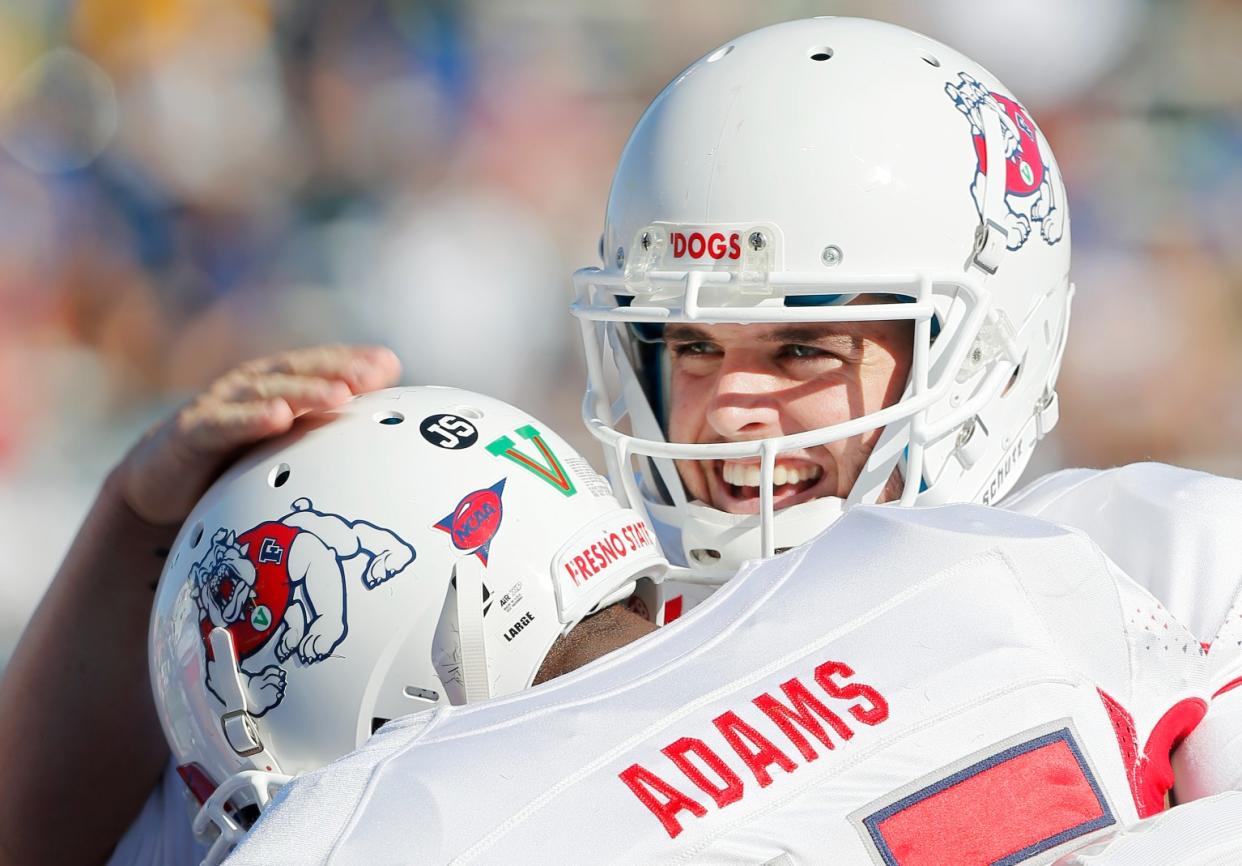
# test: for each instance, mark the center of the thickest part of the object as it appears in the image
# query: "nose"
(745, 403)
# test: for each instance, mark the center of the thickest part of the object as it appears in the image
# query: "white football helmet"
(414, 547)
(785, 174)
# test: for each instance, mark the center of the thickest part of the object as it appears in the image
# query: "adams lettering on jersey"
(750, 751)
(1010, 803)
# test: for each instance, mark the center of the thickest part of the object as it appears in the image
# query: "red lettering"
(617, 545)
(690, 247)
(735, 249)
(679, 244)
(591, 561)
(628, 532)
(729, 792)
(640, 533)
(646, 785)
(804, 710)
(878, 710)
(604, 553)
(572, 576)
(716, 246)
(764, 753)
(582, 567)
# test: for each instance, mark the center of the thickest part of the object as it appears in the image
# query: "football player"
(954, 685)
(385, 553)
(835, 273)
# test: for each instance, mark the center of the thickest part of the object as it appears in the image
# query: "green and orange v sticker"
(548, 468)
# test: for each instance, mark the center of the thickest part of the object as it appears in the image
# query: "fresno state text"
(607, 549)
(697, 244)
(803, 712)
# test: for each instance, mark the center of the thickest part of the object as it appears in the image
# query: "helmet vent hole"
(466, 412)
(821, 54)
(196, 534)
(389, 418)
(719, 53)
(705, 555)
(930, 60)
(421, 694)
(279, 475)
(377, 723)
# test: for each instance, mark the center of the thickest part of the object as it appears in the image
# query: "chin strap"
(991, 236)
(469, 575)
(236, 723)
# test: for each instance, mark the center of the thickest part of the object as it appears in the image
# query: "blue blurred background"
(188, 183)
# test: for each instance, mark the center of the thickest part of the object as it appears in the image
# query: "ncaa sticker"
(474, 522)
(448, 431)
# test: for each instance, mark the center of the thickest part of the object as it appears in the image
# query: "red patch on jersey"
(1024, 800)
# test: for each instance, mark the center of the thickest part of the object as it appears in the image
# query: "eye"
(698, 347)
(800, 351)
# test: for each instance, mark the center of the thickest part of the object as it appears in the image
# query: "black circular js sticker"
(448, 431)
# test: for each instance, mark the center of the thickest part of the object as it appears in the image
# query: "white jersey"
(1175, 532)
(917, 686)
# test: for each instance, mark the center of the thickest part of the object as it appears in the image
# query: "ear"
(221, 535)
(231, 538)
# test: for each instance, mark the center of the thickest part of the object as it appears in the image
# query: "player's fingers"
(302, 393)
(214, 427)
(363, 368)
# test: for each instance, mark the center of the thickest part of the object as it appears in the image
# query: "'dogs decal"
(283, 581)
(1032, 189)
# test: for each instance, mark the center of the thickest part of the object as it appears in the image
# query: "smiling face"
(735, 383)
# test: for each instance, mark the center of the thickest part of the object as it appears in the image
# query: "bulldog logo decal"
(1032, 189)
(281, 585)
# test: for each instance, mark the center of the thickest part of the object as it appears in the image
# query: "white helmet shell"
(312, 593)
(785, 174)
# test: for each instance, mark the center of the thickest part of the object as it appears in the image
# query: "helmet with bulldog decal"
(413, 547)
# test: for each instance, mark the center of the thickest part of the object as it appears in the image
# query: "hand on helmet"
(166, 472)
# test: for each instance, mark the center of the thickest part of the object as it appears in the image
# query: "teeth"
(747, 475)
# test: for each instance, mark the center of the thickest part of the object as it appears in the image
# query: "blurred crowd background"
(188, 183)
